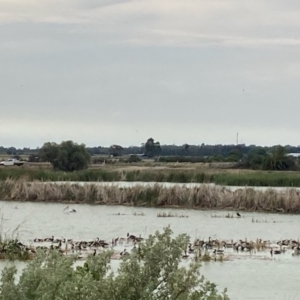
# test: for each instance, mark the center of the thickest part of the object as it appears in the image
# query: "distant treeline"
(167, 150)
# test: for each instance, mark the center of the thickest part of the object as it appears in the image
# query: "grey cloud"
(119, 74)
(93, 4)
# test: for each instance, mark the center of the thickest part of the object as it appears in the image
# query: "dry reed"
(203, 197)
(262, 221)
(170, 215)
(228, 216)
(138, 214)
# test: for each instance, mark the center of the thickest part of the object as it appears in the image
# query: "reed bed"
(203, 197)
(228, 216)
(107, 175)
(206, 257)
(253, 220)
(238, 178)
(170, 215)
(138, 214)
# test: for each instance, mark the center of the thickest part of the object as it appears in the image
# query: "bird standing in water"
(238, 214)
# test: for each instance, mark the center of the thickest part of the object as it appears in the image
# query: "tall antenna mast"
(237, 138)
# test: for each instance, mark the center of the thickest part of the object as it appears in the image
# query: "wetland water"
(256, 276)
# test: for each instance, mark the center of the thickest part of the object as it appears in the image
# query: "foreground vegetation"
(10, 247)
(152, 271)
(204, 197)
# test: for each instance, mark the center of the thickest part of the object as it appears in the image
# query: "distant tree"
(11, 151)
(186, 148)
(217, 158)
(142, 147)
(115, 150)
(278, 160)
(67, 156)
(255, 158)
(234, 155)
(49, 152)
(152, 148)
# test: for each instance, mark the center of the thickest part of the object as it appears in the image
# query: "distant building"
(293, 154)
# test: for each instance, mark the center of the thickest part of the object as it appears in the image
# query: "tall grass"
(51, 175)
(204, 197)
(260, 178)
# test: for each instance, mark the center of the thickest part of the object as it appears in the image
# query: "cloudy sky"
(104, 72)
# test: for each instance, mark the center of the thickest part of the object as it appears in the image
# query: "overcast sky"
(104, 72)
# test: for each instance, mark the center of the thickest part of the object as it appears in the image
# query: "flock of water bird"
(205, 249)
(83, 248)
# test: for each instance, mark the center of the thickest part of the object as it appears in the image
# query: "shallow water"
(256, 276)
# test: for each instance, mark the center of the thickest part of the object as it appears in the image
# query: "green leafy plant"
(153, 270)
(67, 156)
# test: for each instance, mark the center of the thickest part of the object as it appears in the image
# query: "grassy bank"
(105, 174)
(204, 197)
(222, 177)
(262, 178)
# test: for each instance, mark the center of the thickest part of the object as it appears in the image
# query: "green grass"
(103, 175)
(283, 179)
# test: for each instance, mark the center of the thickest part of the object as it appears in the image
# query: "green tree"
(278, 160)
(115, 150)
(49, 152)
(217, 158)
(255, 158)
(152, 148)
(67, 156)
(152, 271)
(234, 155)
(186, 148)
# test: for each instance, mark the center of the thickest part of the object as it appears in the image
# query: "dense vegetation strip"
(204, 197)
(160, 175)
(222, 177)
(262, 178)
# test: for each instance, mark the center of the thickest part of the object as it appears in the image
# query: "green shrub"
(67, 156)
(151, 271)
